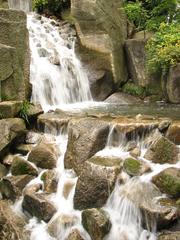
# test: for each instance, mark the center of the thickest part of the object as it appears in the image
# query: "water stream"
(58, 79)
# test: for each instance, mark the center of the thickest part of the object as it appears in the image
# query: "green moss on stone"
(105, 161)
(132, 166)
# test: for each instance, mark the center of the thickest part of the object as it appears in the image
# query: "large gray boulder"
(12, 227)
(173, 84)
(101, 37)
(96, 182)
(85, 137)
(15, 56)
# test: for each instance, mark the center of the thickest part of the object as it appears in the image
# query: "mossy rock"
(132, 166)
(105, 161)
(168, 181)
(162, 151)
(20, 167)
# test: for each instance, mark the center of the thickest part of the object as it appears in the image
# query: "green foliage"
(23, 113)
(136, 14)
(149, 14)
(163, 50)
(52, 6)
(134, 89)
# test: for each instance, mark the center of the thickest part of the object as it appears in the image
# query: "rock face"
(44, 155)
(85, 138)
(15, 56)
(163, 151)
(11, 225)
(37, 205)
(135, 52)
(173, 84)
(101, 37)
(10, 109)
(96, 182)
(9, 130)
(96, 222)
(168, 181)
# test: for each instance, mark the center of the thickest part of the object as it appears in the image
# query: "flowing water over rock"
(56, 74)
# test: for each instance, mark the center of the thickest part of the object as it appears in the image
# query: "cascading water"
(56, 74)
(24, 5)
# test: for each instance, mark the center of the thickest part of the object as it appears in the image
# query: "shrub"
(52, 6)
(148, 14)
(163, 50)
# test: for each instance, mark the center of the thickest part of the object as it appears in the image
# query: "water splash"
(57, 76)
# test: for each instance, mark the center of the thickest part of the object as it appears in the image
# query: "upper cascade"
(24, 5)
(57, 76)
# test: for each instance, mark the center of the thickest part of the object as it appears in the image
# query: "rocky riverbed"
(74, 176)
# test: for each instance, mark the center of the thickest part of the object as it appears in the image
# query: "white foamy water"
(56, 73)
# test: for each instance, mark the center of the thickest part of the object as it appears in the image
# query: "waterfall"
(57, 76)
(24, 5)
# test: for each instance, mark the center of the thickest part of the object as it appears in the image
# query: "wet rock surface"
(37, 205)
(163, 151)
(85, 138)
(168, 181)
(96, 222)
(11, 187)
(44, 155)
(50, 181)
(96, 181)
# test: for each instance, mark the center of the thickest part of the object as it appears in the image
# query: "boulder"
(10, 129)
(169, 235)
(15, 55)
(136, 152)
(33, 137)
(83, 143)
(9, 109)
(135, 167)
(20, 166)
(44, 155)
(96, 182)
(11, 187)
(3, 171)
(122, 98)
(11, 225)
(32, 188)
(101, 40)
(173, 133)
(59, 222)
(173, 84)
(96, 222)
(135, 53)
(37, 205)
(50, 181)
(168, 181)
(75, 235)
(162, 151)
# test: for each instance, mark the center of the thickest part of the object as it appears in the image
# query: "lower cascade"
(84, 175)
